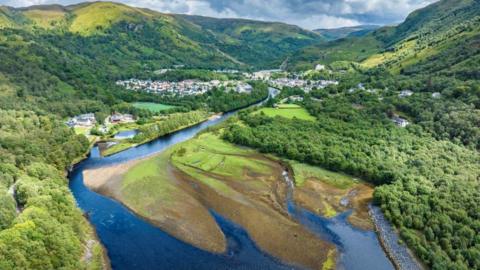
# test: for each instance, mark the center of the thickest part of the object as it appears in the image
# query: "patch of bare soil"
(258, 205)
(180, 215)
(265, 218)
(322, 198)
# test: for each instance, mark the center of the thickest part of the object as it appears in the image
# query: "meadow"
(289, 111)
(153, 107)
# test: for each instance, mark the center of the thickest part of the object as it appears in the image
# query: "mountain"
(343, 32)
(158, 39)
(249, 40)
(53, 53)
(442, 37)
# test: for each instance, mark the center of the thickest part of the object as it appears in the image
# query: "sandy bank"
(174, 211)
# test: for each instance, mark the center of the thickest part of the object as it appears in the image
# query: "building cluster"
(88, 119)
(118, 118)
(307, 85)
(262, 74)
(83, 120)
(183, 88)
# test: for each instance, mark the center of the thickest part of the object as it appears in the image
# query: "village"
(184, 88)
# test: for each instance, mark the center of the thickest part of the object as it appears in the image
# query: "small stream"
(359, 249)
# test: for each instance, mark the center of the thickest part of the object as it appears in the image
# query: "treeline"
(219, 100)
(40, 225)
(172, 123)
(427, 188)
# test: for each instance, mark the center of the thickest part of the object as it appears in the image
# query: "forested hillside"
(437, 36)
(117, 34)
(426, 186)
(343, 32)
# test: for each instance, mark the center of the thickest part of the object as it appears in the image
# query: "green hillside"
(343, 32)
(248, 40)
(424, 37)
(142, 37)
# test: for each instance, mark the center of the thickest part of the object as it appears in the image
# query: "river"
(133, 243)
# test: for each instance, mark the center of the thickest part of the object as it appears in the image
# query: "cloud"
(309, 14)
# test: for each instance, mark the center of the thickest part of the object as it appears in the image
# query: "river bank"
(122, 145)
(179, 204)
(398, 253)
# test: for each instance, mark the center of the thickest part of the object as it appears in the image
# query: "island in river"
(179, 188)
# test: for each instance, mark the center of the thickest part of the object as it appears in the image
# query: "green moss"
(329, 264)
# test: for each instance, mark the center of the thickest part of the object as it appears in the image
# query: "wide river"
(132, 243)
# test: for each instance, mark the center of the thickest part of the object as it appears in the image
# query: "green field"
(154, 107)
(289, 111)
(147, 182)
(208, 155)
(303, 172)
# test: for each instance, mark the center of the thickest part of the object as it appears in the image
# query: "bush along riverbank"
(150, 132)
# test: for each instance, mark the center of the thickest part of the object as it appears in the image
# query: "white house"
(400, 121)
(405, 93)
(319, 67)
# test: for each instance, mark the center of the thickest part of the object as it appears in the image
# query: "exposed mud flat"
(177, 191)
(327, 200)
(258, 206)
(185, 217)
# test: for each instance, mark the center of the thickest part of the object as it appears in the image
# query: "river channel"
(133, 243)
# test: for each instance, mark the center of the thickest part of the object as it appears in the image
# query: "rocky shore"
(398, 253)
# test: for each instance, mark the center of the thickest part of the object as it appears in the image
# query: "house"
(295, 98)
(85, 120)
(405, 93)
(436, 95)
(244, 88)
(400, 121)
(121, 118)
(319, 67)
(72, 122)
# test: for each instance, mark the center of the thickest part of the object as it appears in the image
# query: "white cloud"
(306, 13)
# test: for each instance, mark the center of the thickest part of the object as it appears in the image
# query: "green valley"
(251, 144)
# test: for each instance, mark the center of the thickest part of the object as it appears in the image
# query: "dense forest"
(427, 174)
(41, 227)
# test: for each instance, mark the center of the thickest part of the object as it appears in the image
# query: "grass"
(288, 111)
(45, 18)
(329, 264)
(119, 147)
(289, 106)
(303, 172)
(154, 107)
(210, 160)
(147, 182)
(92, 18)
(82, 130)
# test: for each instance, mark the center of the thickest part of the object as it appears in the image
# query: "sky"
(309, 14)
